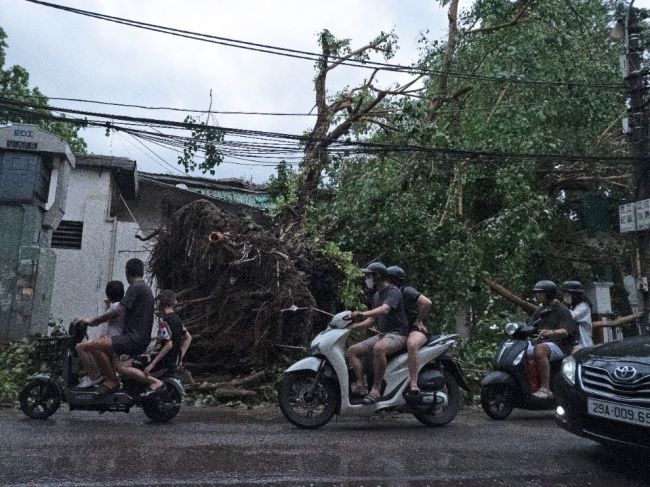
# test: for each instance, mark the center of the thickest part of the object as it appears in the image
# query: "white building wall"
(81, 275)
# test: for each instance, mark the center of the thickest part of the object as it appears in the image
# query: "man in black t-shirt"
(417, 307)
(137, 306)
(388, 313)
(170, 345)
(557, 333)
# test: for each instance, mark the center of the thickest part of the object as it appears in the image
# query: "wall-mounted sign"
(627, 217)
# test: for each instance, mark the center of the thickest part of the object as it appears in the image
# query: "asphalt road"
(257, 447)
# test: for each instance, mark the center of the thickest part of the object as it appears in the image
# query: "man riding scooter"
(388, 312)
(557, 331)
(138, 308)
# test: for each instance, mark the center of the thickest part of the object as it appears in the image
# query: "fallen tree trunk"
(510, 296)
(622, 321)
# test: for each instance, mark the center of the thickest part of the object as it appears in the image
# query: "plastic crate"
(51, 349)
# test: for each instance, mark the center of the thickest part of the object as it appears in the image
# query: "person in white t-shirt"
(580, 306)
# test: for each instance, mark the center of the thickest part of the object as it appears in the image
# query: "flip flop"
(371, 398)
(412, 392)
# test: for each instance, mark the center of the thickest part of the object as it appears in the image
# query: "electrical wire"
(255, 143)
(318, 57)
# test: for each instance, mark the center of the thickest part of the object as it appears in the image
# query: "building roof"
(230, 190)
(124, 170)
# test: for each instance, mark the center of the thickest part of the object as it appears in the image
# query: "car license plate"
(619, 412)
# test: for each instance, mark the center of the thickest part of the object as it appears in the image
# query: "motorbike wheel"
(165, 406)
(442, 417)
(307, 413)
(40, 399)
(496, 400)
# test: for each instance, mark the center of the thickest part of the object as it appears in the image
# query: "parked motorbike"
(513, 379)
(43, 395)
(317, 387)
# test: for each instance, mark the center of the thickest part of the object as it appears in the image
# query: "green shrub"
(16, 365)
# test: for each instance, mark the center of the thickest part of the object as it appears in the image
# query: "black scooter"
(43, 395)
(511, 382)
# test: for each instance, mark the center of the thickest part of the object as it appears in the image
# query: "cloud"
(73, 56)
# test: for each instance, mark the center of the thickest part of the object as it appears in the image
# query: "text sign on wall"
(643, 215)
(627, 217)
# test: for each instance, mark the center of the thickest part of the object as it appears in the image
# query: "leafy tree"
(450, 221)
(14, 85)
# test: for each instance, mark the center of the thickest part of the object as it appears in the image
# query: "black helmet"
(396, 273)
(545, 286)
(376, 268)
(573, 287)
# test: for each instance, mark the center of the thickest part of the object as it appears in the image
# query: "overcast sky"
(68, 55)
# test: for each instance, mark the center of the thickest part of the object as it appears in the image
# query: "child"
(114, 293)
(173, 339)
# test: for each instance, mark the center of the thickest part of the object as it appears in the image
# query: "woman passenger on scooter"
(580, 306)
(557, 332)
(416, 306)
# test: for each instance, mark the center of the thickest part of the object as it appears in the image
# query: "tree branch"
(517, 20)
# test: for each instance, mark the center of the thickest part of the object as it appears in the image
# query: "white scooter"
(317, 387)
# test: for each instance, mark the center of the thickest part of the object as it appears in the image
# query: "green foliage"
(14, 84)
(16, 365)
(204, 138)
(449, 222)
(349, 294)
(282, 188)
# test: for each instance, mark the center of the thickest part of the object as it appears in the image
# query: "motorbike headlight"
(511, 328)
(569, 369)
(314, 350)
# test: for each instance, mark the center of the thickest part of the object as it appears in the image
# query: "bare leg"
(379, 356)
(415, 340)
(352, 354)
(102, 351)
(126, 368)
(88, 360)
(542, 353)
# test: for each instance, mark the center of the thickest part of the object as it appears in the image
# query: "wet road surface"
(257, 447)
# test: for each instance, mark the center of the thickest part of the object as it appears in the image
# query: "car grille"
(598, 381)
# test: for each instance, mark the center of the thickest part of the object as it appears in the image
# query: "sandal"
(371, 398)
(411, 392)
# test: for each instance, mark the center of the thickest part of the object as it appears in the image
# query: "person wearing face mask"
(388, 314)
(557, 333)
(580, 306)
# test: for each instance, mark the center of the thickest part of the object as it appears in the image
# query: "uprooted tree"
(233, 279)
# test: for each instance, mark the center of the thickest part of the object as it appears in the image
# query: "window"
(67, 235)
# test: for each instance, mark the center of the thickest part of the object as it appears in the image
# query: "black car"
(603, 393)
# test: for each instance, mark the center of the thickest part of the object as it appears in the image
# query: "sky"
(71, 56)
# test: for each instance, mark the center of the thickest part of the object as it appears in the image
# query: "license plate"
(619, 412)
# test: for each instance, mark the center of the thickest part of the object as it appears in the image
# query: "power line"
(279, 145)
(498, 106)
(312, 56)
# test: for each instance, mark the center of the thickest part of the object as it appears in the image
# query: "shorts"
(556, 352)
(124, 345)
(395, 342)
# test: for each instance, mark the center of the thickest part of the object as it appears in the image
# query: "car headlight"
(569, 369)
(314, 350)
(511, 328)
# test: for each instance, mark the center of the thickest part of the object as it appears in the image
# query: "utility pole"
(635, 82)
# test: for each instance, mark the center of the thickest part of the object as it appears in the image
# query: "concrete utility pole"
(635, 81)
